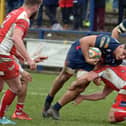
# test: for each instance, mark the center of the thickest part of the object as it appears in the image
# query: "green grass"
(86, 114)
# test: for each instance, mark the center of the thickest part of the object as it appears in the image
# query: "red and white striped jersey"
(15, 19)
(114, 77)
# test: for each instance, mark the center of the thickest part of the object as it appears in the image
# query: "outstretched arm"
(94, 97)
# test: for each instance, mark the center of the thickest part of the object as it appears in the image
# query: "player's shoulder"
(102, 40)
(22, 15)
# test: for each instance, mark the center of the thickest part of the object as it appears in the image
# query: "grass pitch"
(88, 113)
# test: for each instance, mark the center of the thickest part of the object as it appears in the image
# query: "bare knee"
(111, 118)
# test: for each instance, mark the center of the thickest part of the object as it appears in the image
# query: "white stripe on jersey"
(23, 16)
(122, 91)
(122, 27)
(7, 44)
(112, 77)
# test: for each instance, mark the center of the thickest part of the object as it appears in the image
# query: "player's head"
(32, 2)
(120, 52)
(33, 5)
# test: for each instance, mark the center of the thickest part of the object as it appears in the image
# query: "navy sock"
(49, 99)
(57, 106)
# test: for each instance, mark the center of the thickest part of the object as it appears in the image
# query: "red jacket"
(66, 3)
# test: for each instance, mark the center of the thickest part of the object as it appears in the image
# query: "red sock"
(6, 100)
(19, 107)
(120, 116)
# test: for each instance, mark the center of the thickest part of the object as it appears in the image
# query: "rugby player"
(113, 53)
(114, 78)
(12, 31)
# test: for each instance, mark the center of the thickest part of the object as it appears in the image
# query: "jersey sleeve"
(102, 41)
(106, 42)
(22, 24)
(122, 27)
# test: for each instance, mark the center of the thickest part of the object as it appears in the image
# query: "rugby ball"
(94, 53)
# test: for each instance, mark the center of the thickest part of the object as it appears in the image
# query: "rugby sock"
(6, 100)
(57, 106)
(48, 102)
(49, 99)
(120, 116)
(19, 107)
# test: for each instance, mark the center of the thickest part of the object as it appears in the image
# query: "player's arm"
(19, 57)
(17, 36)
(85, 43)
(99, 95)
(17, 39)
(95, 96)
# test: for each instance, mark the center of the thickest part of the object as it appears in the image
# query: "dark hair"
(32, 2)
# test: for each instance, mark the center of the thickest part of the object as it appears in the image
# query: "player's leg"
(57, 85)
(118, 110)
(19, 113)
(65, 74)
(76, 88)
(80, 98)
(8, 97)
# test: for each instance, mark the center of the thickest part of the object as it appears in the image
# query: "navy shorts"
(75, 58)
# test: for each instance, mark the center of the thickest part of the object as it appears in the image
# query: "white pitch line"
(33, 93)
(44, 94)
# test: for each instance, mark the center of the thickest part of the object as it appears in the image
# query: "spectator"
(99, 15)
(66, 10)
(122, 6)
(39, 18)
(85, 15)
(78, 12)
(13, 4)
(51, 10)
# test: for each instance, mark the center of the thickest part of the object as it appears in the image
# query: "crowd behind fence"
(71, 14)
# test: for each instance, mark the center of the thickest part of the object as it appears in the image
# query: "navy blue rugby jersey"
(107, 45)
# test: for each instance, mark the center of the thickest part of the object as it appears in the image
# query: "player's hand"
(40, 59)
(92, 61)
(97, 81)
(26, 76)
(32, 64)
